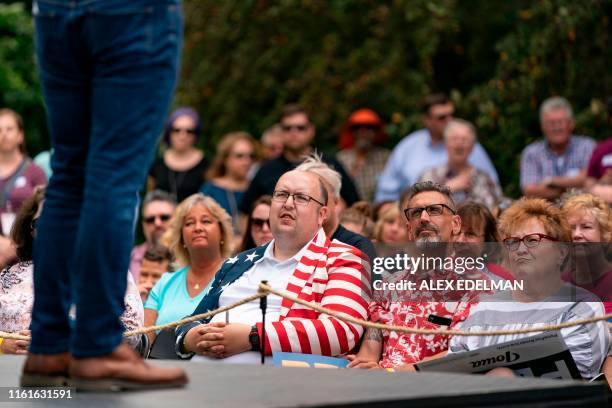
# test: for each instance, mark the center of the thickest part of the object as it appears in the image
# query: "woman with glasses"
(228, 173)
(17, 284)
(200, 238)
(180, 170)
(258, 230)
(535, 236)
(590, 220)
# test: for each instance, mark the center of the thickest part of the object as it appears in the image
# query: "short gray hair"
(453, 123)
(554, 103)
(425, 186)
(157, 195)
(314, 164)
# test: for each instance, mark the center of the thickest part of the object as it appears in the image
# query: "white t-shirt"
(277, 274)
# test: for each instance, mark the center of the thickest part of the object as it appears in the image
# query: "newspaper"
(545, 355)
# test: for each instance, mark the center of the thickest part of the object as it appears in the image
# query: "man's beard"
(432, 243)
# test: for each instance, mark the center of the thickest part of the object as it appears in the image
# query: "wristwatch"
(254, 339)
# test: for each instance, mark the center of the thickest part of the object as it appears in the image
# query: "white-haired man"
(334, 230)
(559, 162)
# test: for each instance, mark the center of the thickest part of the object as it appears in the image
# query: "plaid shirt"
(365, 173)
(538, 161)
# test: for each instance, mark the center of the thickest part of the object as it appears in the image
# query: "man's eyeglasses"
(530, 241)
(298, 198)
(183, 130)
(259, 222)
(162, 218)
(434, 210)
(300, 128)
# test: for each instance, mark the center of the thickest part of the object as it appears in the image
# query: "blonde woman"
(590, 220)
(200, 237)
(390, 228)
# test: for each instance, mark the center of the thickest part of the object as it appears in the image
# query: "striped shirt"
(588, 344)
(329, 273)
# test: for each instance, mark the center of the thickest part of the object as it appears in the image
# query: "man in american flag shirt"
(301, 260)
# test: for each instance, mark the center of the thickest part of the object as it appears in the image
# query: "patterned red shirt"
(404, 348)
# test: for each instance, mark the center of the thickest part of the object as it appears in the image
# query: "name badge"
(606, 161)
(20, 182)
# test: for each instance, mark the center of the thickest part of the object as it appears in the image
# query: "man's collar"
(318, 240)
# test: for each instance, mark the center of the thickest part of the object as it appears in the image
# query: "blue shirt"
(228, 199)
(415, 154)
(169, 297)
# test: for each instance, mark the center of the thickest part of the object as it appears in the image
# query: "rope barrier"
(264, 290)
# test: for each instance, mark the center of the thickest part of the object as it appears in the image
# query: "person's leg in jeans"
(108, 69)
(130, 98)
(64, 72)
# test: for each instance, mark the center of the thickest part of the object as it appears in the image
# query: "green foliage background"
(244, 59)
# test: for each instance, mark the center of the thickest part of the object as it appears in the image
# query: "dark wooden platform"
(222, 385)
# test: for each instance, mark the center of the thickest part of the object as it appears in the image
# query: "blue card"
(281, 359)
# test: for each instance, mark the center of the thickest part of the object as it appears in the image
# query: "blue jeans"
(108, 69)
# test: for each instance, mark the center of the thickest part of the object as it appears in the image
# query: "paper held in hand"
(544, 355)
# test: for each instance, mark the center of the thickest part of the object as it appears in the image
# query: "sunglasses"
(183, 130)
(300, 128)
(259, 222)
(443, 117)
(365, 127)
(162, 217)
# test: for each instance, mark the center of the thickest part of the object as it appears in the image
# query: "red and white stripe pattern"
(333, 275)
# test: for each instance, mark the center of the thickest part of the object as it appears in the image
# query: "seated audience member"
(432, 222)
(298, 135)
(157, 209)
(228, 173)
(258, 230)
(333, 183)
(18, 177)
(17, 284)
(390, 227)
(200, 238)
(536, 235)
(358, 219)
(361, 153)
(301, 260)
(478, 236)
(272, 142)
(559, 162)
(590, 220)
(424, 148)
(156, 261)
(467, 182)
(180, 170)
(599, 172)
(380, 208)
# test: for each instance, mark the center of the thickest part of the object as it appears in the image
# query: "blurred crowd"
(271, 207)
